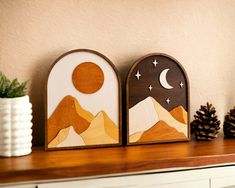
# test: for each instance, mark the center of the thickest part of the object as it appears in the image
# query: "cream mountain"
(71, 125)
(67, 137)
(155, 123)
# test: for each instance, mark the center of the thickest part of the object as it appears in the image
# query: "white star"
(168, 100)
(150, 87)
(181, 84)
(155, 62)
(138, 75)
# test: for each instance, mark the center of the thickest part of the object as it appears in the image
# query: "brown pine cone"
(229, 124)
(206, 124)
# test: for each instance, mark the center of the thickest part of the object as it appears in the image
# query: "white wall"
(200, 34)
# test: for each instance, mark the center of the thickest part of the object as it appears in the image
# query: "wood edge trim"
(119, 98)
(127, 95)
(189, 163)
(159, 142)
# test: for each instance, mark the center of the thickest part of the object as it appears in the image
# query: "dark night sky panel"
(138, 89)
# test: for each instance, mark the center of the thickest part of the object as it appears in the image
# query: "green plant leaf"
(11, 89)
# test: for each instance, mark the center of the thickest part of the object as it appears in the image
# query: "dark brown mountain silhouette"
(179, 114)
(67, 113)
(159, 132)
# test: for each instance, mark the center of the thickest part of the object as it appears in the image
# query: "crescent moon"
(163, 80)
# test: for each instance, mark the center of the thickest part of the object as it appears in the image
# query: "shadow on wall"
(123, 71)
(37, 93)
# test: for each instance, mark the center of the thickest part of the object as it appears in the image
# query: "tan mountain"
(68, 112)
(180, 114)
(101, 131)
(60, 137)
(135, 137)
(165, 116)
(161, 132)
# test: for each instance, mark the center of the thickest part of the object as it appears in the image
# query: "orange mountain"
(161, 131)
(68, 112)
(180, 114)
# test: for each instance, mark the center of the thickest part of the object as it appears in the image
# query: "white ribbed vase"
(15, 126)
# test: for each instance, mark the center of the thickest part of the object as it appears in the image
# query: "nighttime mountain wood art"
(157, 101)
(83, 102)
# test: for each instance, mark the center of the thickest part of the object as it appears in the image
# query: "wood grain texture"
(97, 78)
(75, 115)
(151, 70)
(161, 131)
(179, 114)
(41, 165)
(150, 75)
(88, 77)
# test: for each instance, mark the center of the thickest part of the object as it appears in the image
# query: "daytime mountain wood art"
(83, 102)
(157, 101)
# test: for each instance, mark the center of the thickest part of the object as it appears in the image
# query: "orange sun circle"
(88, 77)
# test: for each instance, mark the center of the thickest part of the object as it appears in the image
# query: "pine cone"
(229, 124)
(206, 123)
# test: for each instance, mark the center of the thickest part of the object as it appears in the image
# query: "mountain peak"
(72, 102)
(71, 125)
(101, 113)
(68, 112)
(69, 100)
(180, 114)
(68, 97)
(169, 119)
(146, 113)
(149, 99)
(179, 108)
(101, 126)
(149, 113)
(160, 132)
(66, 137)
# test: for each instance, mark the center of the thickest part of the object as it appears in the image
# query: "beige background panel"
(199, 34)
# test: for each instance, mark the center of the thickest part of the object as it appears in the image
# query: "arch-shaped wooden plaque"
(83, 103)
(157, 95)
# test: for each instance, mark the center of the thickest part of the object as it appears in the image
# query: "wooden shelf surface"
(41, 165)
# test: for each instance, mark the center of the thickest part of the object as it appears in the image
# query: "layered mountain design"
(150, 122)
(70, 125)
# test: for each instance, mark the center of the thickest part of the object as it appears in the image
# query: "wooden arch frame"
(119, 101)
(188, 137)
